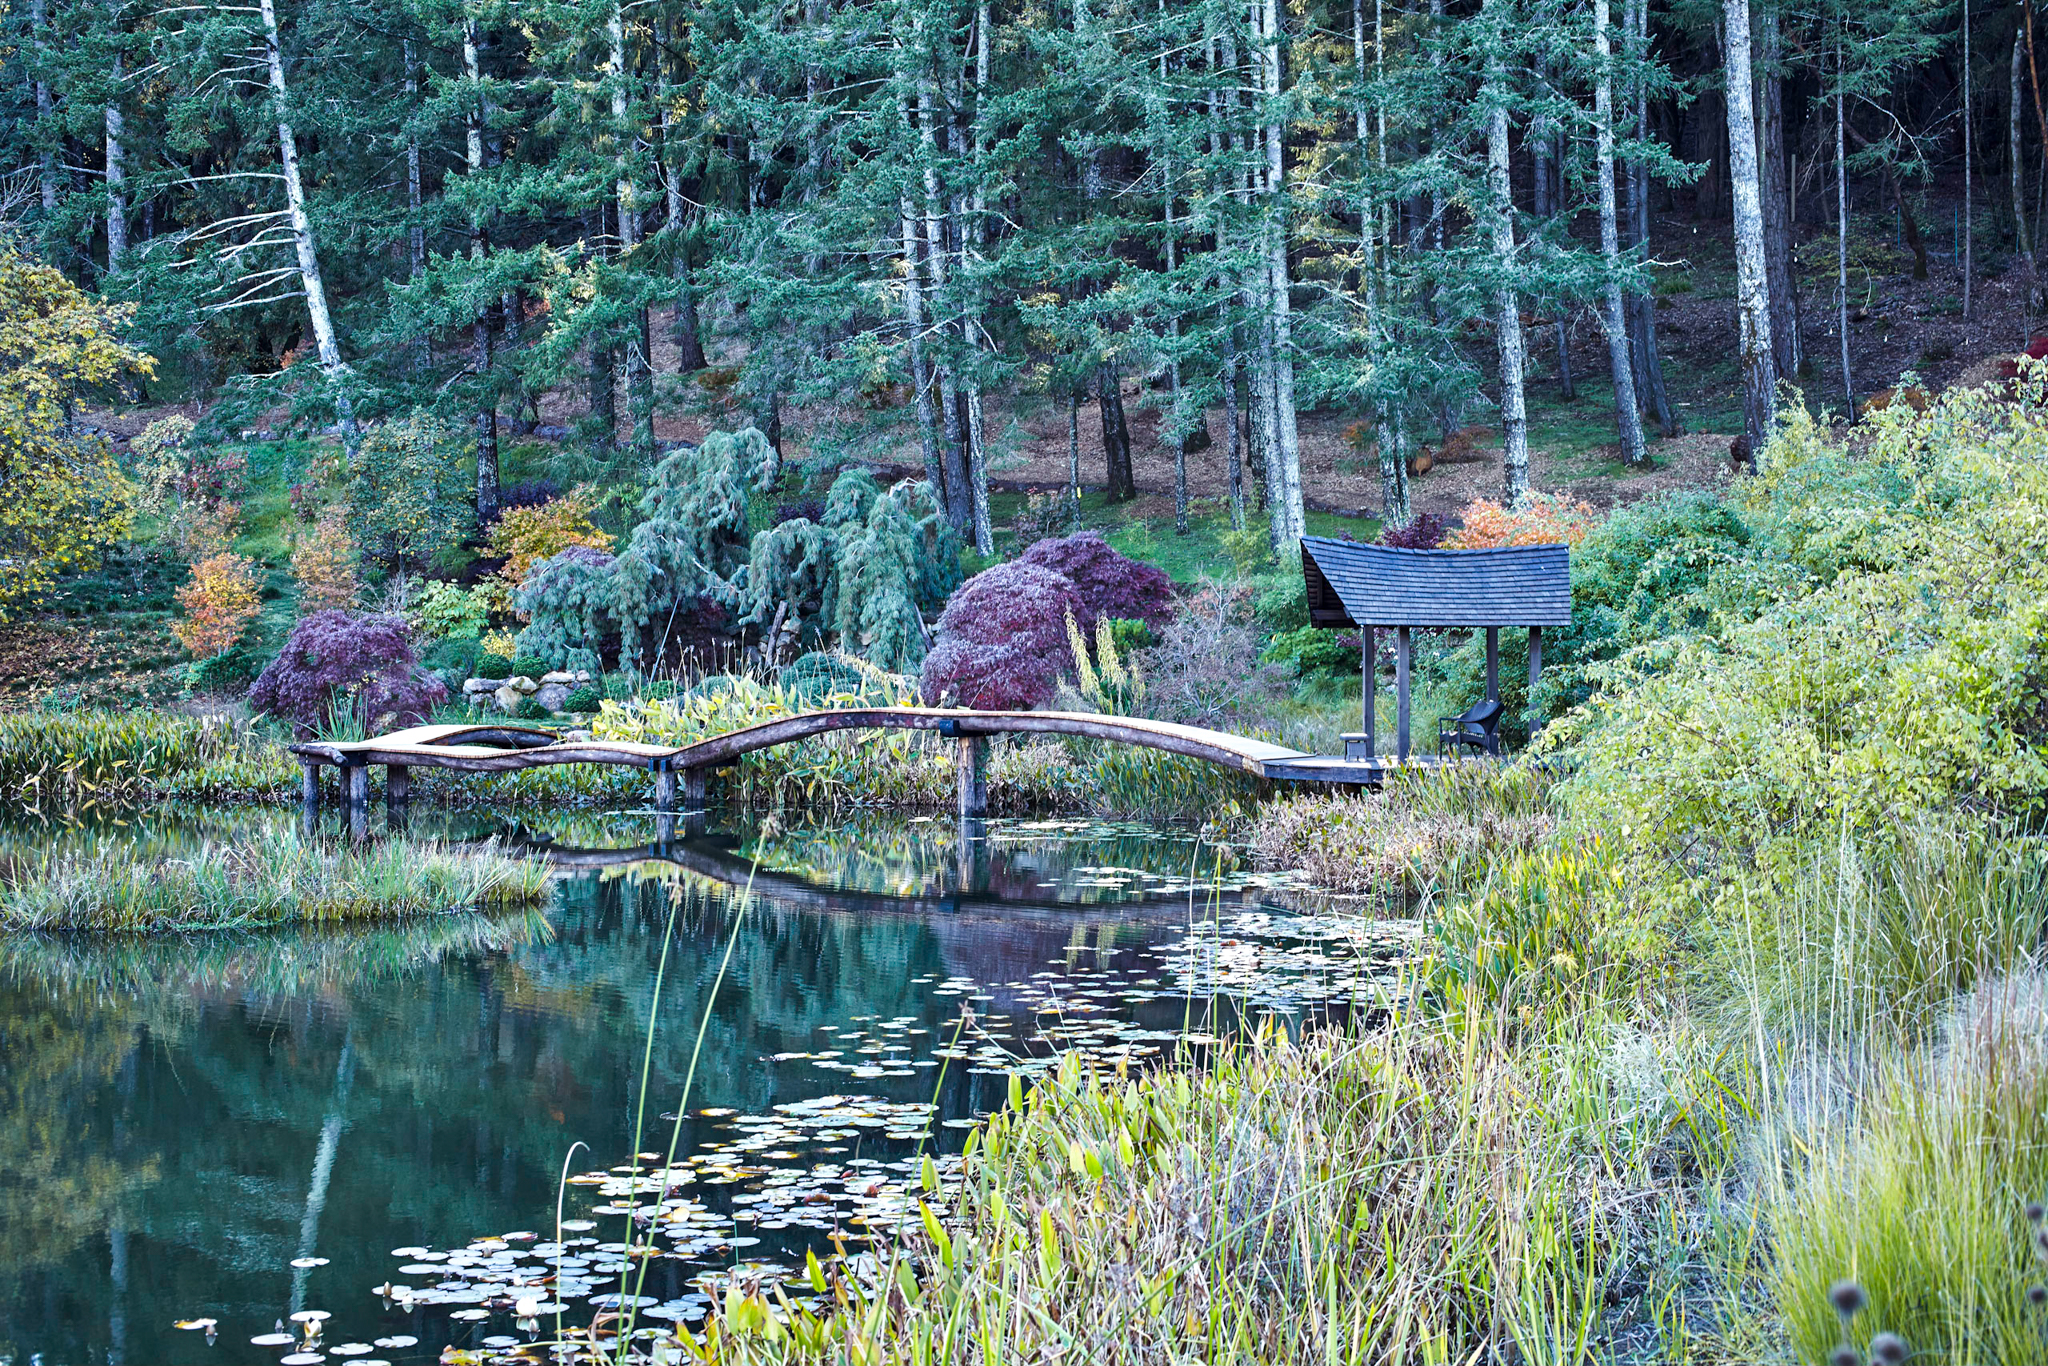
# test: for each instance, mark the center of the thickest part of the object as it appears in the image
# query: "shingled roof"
(1350, 584)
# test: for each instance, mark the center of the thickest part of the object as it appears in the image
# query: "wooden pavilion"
(1376, 587)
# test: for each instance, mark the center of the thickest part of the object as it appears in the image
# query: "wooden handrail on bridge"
(511, 749)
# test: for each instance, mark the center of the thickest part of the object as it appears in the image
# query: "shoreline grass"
(274, 878)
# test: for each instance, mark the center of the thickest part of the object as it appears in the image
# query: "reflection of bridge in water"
(511, 749)
(972, 878)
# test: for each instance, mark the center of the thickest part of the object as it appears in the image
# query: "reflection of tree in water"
(61, 1181)
(443, 1066)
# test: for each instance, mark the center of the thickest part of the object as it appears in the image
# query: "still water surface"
(181, 1119)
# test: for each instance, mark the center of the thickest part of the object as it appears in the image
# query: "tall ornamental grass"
(273, 878)
(87, 758)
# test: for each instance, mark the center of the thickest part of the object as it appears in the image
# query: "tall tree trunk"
(1908, 224)
(39, 20)
(974, 333)
(1074, 459)
(117, 197)
(1223, 57)
(1395, 510)
(1514, 417)
(302, 239)
(1752, 286)
(480, 326)
(1177, 432)
(1774, 192)
(1547, 156)
(2017, 171)
(1650, 392)
(639, 361)
(920, 371)
(1969, 173)
(1116, 435)
(1842, 221)
(1288, 519)
(959, 486)
(1626, 411)
(685, 330)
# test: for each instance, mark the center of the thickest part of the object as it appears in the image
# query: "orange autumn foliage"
(325, 566)
(526, 536)
(219, 602)
(1539, 519)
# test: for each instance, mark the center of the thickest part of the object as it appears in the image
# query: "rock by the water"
(552, 695)
(557, 676)
(583, 675)
(508, 698)
(523, 683)
(476, 685)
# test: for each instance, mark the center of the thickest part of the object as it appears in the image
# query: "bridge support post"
(356, 779)
(1401, 647)
(971, 770)
(397, 794)
(309, 796)
(693, 788)
(664, 789)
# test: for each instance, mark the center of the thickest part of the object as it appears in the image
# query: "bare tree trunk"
(639, 364)
(1775, 199)
(1969, 170)
(1842, 220)
(1395, 510)
(1514, 418)
(117, 198)
(302, 239)
(920, 372)
(1177, 433)
(416, 232)
(39, 19)
(960, 492)
(480, 326)
(2017, 168)
(1650, 391)
(1289, 521)
(977, 446)
(1116, 435)
(1074, 459)
(1752, 287)
(1626, 412)
(1547, 155)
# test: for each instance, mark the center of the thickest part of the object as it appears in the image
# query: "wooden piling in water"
(972, 770)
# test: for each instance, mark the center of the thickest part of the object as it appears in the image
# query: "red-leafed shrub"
(1110, 585)
(1002, 639)
(1426, 532)
(338, 663)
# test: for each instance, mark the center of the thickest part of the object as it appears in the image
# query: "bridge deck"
(510, 749)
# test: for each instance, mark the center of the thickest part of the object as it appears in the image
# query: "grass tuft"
(274, 878)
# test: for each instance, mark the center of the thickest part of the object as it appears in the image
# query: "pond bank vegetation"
(270, 878)
(1748, 1004)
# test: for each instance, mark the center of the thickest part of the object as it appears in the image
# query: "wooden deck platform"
(511, 749)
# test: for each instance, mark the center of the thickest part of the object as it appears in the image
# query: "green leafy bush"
(531, 710)
(493, 666)
(584, 699)
(408, 501)
(447, 611)
(532, 666)
(1313, 649)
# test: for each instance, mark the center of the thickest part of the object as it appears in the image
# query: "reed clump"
(54, 759)
(271, 878)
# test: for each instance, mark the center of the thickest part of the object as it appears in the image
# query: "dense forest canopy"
(893, 210)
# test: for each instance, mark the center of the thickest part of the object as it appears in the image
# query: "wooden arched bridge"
(510, 749)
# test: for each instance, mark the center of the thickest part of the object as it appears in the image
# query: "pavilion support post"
(1535, 673)
(1493, 663)
(309, 796)
(397, 793)
(1401, 647)
(1370, 637)
(972, 770)
(356, 778)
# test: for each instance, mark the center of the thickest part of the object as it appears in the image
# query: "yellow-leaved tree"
(62, 498)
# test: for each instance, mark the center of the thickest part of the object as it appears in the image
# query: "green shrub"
(585, 699)
(1129, 634)
(493, 666)
(1314, 649)
(227, 672)
(529, 709)
(446, 611)
(532, 666)
(814, 677)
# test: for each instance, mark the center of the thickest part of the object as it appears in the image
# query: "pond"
(237, 1128)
